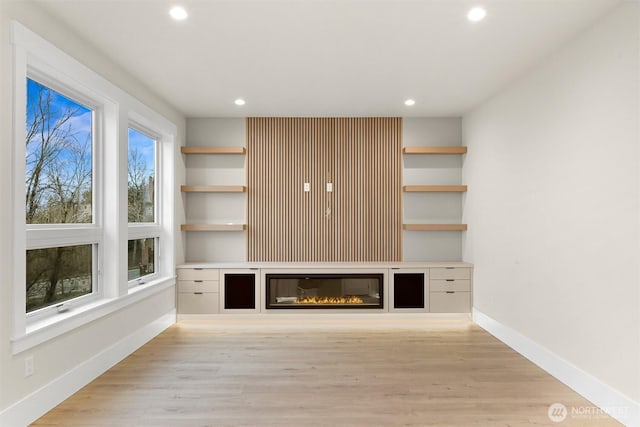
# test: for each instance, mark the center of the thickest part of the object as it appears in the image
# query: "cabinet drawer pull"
(197, 281)
(198, 268)
(197, 293)
(450, 280)
(449, 268)
(451, 292)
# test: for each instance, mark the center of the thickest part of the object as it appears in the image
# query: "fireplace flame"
(330, 300)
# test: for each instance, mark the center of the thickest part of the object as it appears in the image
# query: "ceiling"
(326, 57)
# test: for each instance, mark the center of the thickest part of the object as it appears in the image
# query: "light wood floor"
(410, 372)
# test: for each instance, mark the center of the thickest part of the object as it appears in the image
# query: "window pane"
(58, 274)
(142, 155)
(58, 158)
(141, 258)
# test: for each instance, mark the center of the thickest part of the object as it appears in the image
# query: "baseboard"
(611, 401)
(322, 315)
(41, 401)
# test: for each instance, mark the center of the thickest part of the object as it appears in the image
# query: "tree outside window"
(141, 184)
(58, 190)
(55, 275)
(141, 258)
(58, 158)
(141, 202)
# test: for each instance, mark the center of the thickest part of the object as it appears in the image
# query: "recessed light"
(476, 14)
(239, 101)
(409, 102)
(178, 13)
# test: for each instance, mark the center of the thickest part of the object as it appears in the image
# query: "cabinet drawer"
(441, 285)
(198, 274)
(450, 302)
(198, 286)
(450, 273)
(198, 303)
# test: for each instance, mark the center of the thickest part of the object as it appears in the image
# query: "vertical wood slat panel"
(359, 221)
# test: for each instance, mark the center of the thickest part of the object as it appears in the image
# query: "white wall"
(230, 170)
(419, 169)
(56, 358)
(216, 208)
(553, 203)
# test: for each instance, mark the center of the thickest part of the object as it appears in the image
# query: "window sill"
(61, 323)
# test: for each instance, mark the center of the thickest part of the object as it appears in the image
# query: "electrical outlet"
(329, 187)
(307, 187)
(29, 366)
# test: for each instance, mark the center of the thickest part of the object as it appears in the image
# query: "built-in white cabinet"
(433, 290)
(198, 291)
(450, 290)
(240, 288)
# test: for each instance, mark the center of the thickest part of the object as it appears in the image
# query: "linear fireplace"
(299, 291)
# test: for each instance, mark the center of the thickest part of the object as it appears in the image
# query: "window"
(59, 183)
(82, 238)
(141, 200)
(58, 158)
(141, 170)
(141, 256)
(55, 275)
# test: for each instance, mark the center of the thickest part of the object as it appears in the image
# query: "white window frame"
(42, 236)
(109, 232)
(149, 230)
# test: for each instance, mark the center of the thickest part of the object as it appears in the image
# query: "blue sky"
(81, 122)
(78, 126)
(59, 105)
(145, 146)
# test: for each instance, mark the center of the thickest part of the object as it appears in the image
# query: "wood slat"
(213, 227)
(212, 150)
(434, 150)
(213, 188)
(434, 188)
(435, 227)
(360, 220)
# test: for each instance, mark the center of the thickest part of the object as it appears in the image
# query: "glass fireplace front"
(298, 291)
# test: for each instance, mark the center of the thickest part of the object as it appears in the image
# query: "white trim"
(18, 192)
(350, 319)
(143, 231)
(39, 402)
(616, 404)
(54, 326)
(55, 236)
